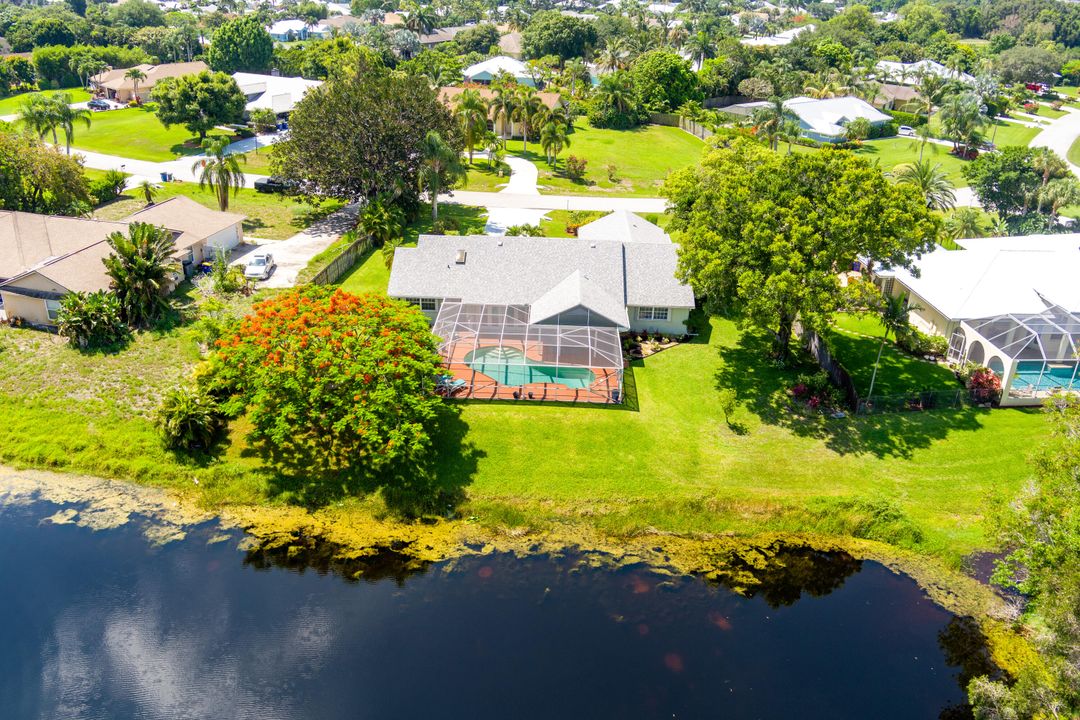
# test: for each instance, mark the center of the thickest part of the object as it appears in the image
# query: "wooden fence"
(343, 262)
(694, 128)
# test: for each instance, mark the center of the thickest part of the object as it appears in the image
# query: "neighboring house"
(271, 92)
(896, 97)
(504, 127)
(44, 257)
(486, 71)
(909, 73)
(289, 30)
(824, 120)
(1008, 303)
(777, 40)
(438, 36)
(511, 45)
(114, 85)
(541, 318)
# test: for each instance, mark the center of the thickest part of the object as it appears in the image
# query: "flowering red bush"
(338, 387)
(984, 379)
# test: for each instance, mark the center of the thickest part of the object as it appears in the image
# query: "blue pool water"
(508, 366)
(1028, 377)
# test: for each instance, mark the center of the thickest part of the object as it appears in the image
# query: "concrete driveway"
(294, 254)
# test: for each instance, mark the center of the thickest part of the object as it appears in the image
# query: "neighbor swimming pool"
(509, 366)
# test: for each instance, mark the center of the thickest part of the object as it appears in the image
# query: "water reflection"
(104, 626)
(781, 573)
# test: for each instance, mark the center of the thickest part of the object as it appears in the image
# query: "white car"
(260, 266)
(906, 131)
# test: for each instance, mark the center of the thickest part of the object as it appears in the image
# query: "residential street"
(1060, 135)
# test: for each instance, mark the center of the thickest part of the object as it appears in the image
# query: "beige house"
(44, 257)
(114, 85)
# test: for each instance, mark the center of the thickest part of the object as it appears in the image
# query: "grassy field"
(856, 340)
(11, 105)
(666, 461)
(1074, 152)
(890, 152)
(642, 158)
(136, 133)
(269, 216)
(485, 177)
(1048, 112)
(1002, 132)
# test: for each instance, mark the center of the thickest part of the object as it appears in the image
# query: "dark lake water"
(104, 625)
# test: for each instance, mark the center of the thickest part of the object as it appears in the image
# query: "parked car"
(273, 184)
(906, 131)
(260, 266)
(99, 104)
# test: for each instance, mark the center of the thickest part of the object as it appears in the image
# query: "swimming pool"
(1028, 374)
(509, 366)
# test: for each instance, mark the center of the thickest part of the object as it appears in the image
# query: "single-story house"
(450, 94)
(824, 119)
(44, 257)
(289, 30)
(778, 40)
(909, 73)
(541, 317)
(114, 85)
(438, 36)
(896, 97)
(1008, 303)
(487, 70)
(272, 92)
(511, 45)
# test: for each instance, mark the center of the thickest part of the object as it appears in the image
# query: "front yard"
(12, 104)
(136, 133)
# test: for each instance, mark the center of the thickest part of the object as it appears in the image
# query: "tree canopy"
(765, 235)
(362, 135)
(551, 33)
(664, 80)
(199, 102)
(37, 178)
(241, 44)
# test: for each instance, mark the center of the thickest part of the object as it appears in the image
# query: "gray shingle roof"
(520, 271)
(623, 225)
(575, 291)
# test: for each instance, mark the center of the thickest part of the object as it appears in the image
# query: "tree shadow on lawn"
(762, 387)
(434, 485)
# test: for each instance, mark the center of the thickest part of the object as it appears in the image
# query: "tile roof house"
(543, 315)
(44, 257)
(115, 86)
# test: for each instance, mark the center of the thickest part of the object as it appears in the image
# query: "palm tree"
(616, 92)
(139, 268)
(614, 55)
(962, 120)
(827, 86)
(502, 106)
(421, 20)
(67, 116)
(894, 317)
(576, 69)
(381, 221)
(218, 170)
(769, 120)
(1060, 193)
(700, 47)
(526, 110)
(441, 163)
(965, 222)
(931, 180)
(472, 111)
(930, 88)
(135, 75)
(39, 115)
(1048, 164)
(553, 139)
(149, 191)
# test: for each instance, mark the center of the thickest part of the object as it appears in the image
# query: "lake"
(104, 624)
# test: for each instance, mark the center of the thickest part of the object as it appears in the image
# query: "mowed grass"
(667, 461)
(136, 133)
(1001, 132)
(11, 105)
(1074, 152)
(268, 215)
(887, 153)
(642, 158)
(486, 177)
(856, 339)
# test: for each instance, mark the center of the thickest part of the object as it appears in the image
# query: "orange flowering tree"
(337, 387)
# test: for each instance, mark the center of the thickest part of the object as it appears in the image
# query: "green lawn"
(1002, 132)
(269, 215)
(11, 105)
(136, 133)
(855, 340)
(667, 461)
(890, 152)
(484, 177)
(1048, 112)
(1074, 152)
(642, 158)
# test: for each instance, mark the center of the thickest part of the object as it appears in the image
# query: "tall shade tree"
(361, 136)
(199, 102)
(441, 168)
(139, 268)
(765, 235)
(472, 111)
(38, 178)
(136, 76)
(241, 44)
(931, 180)
(219, 170)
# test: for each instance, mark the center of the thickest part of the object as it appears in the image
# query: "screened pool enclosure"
(494, 352)
(1034, 356)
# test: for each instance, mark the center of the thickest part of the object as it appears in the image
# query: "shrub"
(445, 226)
(612, 172)
(109, 187)
(188, 418)
(1031, 108)
(983, 385)
(525, 231)
(92, 320)
(581, 217)
(905, 118)
(817, 391)
(575, 168)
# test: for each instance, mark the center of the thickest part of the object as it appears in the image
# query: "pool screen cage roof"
(1052, 335)
(467, 327)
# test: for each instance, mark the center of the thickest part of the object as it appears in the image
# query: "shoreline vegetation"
(165, 515)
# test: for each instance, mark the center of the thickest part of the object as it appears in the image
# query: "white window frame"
(429, 304)
(52, 308)
(659, 314)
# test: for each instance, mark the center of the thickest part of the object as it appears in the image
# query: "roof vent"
(592, 245)
(459, 259)
(500, 243)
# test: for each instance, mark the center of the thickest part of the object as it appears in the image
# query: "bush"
(889, 129)
(817, 391)
(111, 185)
(602, 117)
(188, 418)
(525, 231)
(575, 168)
(445, 226)
(92, 320)
(905, 118)
(581, 217)
(919, 343)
